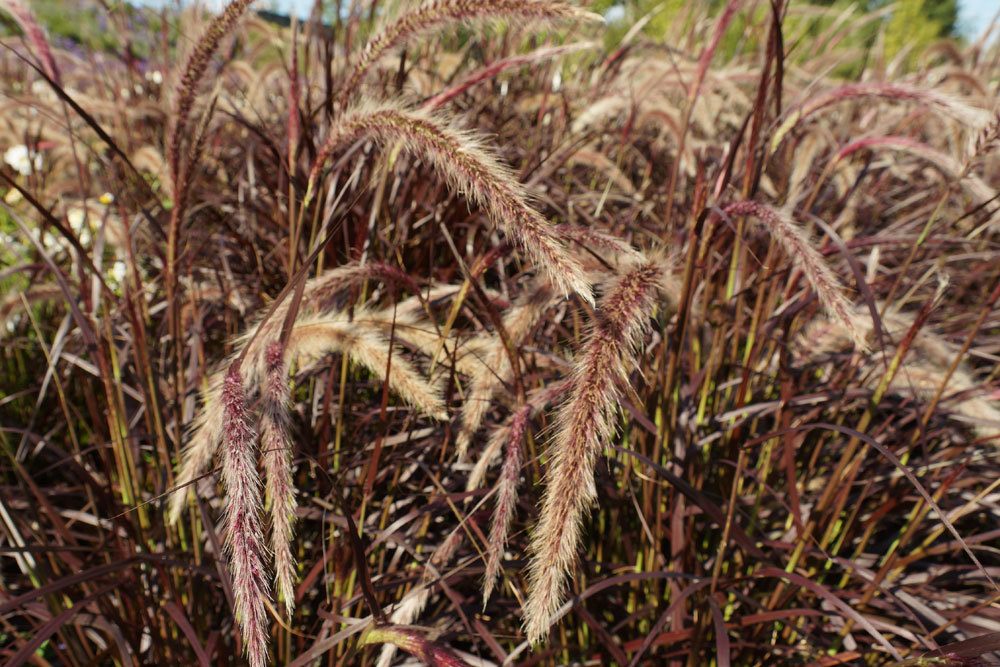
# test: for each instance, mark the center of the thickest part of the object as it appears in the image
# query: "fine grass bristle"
(311, 338)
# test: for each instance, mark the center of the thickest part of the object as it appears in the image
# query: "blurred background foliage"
(906, 26)
(909, 25)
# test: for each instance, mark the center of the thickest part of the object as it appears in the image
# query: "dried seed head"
(197, 456)
(496, 368)
(537, 401)
(35, 34)
(319, 295)
(314, 337)
(923, 372)
(948, 106)
(187, 88)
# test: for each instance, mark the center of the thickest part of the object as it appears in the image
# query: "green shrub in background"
(909, 25)
(916, 23)
(98, 27)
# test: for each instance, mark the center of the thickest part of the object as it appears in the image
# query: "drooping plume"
(470, 169)
(244, 538)
(584, 425)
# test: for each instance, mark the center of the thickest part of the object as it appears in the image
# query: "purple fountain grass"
(276, 447)
(470, 169)
(311, 338)
(584, 424)
(201, 448)
(600, 249)
(194, 69)
(244, 538)
(807, 259)
(951, 167)
(503, 515)
(35, 34)
(764, 459)
(537, 401)
(319, 295)
(496, 368)
(953, 108)
(495, 68)
(926, 369)
(434, 14)
(314, 337)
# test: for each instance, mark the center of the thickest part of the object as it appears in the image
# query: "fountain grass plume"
(244, 537)
(25, 19)
(276, 449)
(506, 502)
(496, 368)
(470, 169)
(435, 14)
(584, 424)
(807, 259)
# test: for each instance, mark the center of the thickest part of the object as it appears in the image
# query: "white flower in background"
(22, 160)
(76, 217)
(614, 13)
(118, 271)
(79, 223)
(156, 77)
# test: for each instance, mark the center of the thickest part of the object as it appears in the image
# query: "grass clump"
(442, 332)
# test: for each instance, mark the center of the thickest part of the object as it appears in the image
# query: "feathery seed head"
(469, 169)
(244, 539)
(187, 88)
(24, 17)
(435, 14)
(496, 368)
(276, 448)
(584, 423)
(808, 260)
(503, 515)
